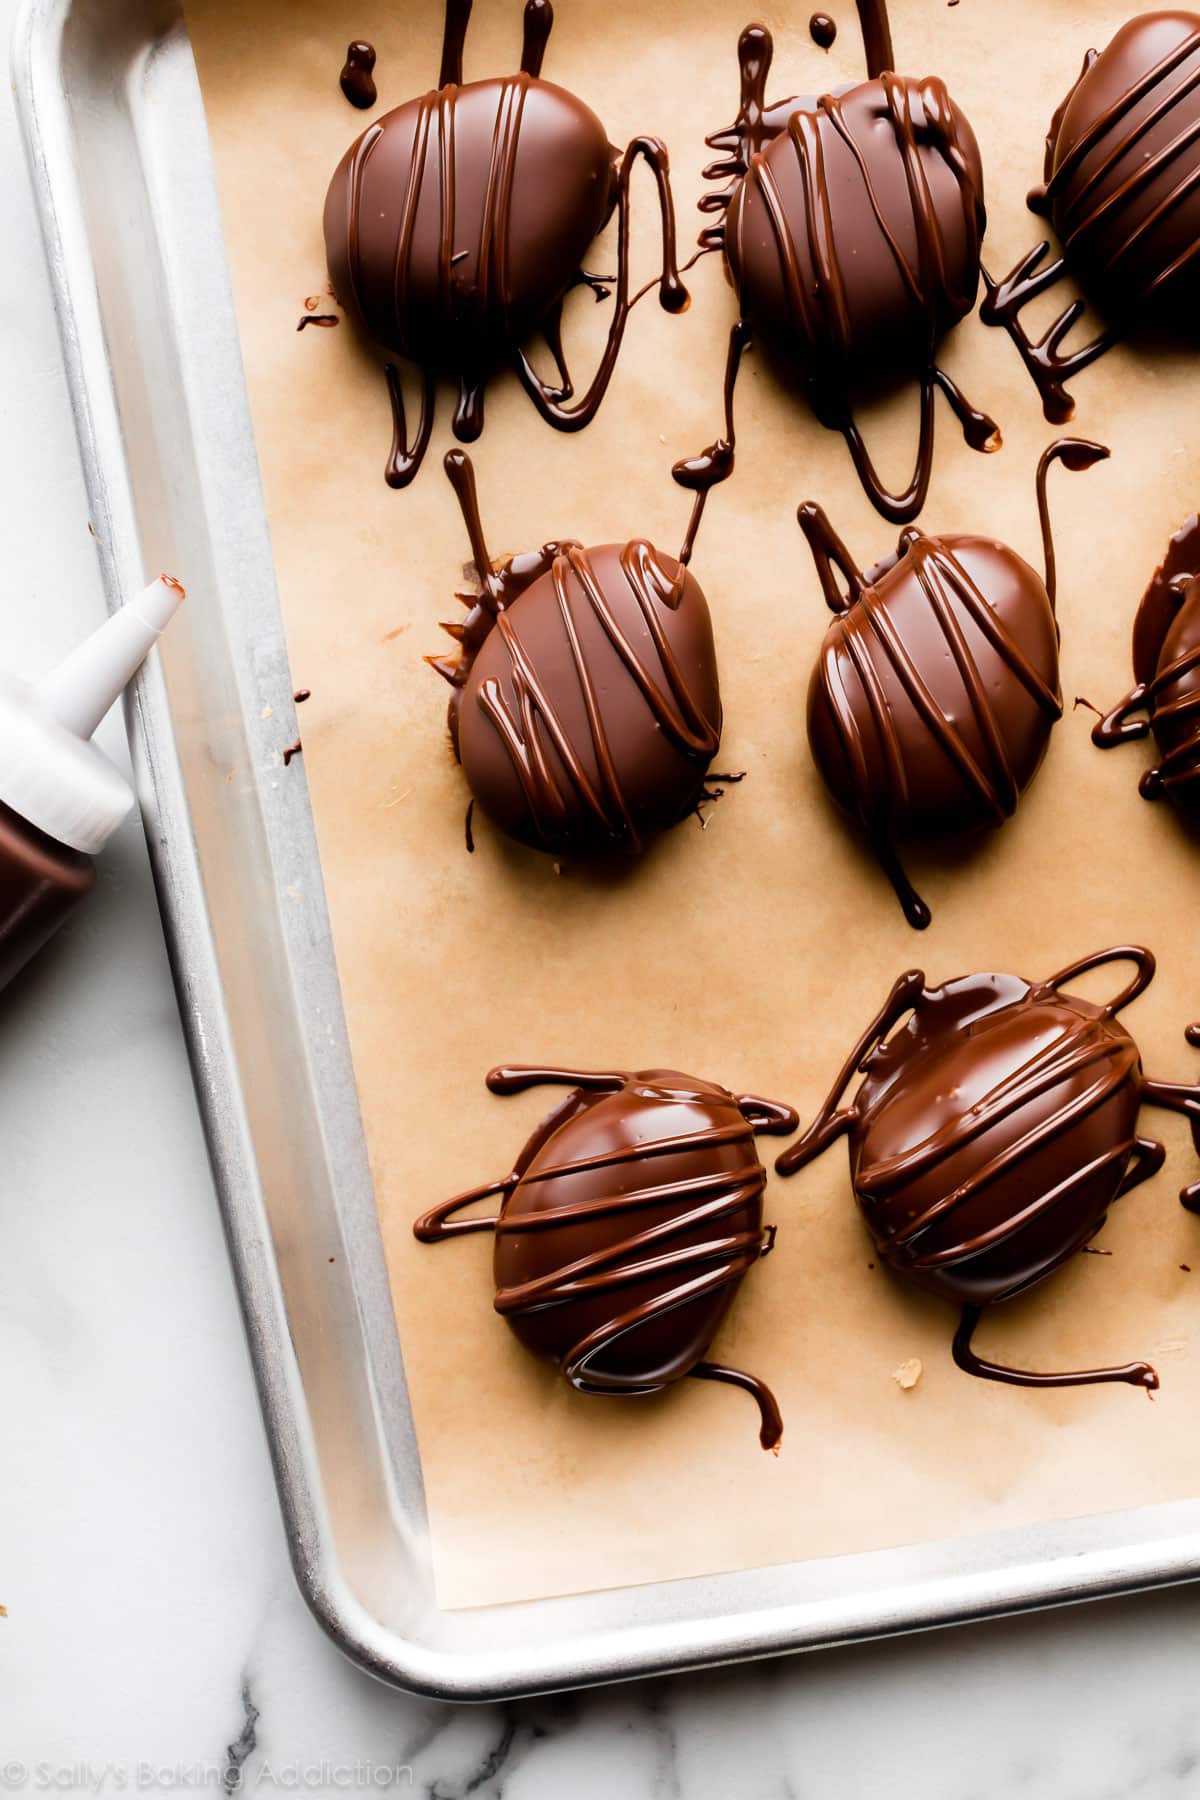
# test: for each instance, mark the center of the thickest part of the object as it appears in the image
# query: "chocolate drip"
(1075, 454)
(1048, 364)
(822, 267)
(991, 1132)
(770, 1430)
(539, 22)
(405, 458)
(457, 223)
(563, 757)
(877, 36)
(822, 30)
(700, 474)
(1166, 644)
(1121, 183)
(454, 41)
(673, 296)
(357, 77)
(938, 685)
(1137, 1374)
(628, 1221)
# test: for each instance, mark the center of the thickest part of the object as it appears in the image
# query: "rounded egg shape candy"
(457, 222)
(936, 688)
(1121, 185)
(1166, 666)
(1122, 175)
(851, 225)
(586, 706)
(626, 1227)
(994, 1126)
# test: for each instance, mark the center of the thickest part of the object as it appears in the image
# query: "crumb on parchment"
(908, 1373)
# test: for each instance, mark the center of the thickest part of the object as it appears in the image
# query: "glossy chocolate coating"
(586, 706)
(1166, 664)
(456, 223)
(936, 688)
(1121, 183)
(878, 735)
(992, 1130)
(941, 1109)
(851, 225)
(626, 1226)
(813, 232)
(456, 284)
(1122, 175)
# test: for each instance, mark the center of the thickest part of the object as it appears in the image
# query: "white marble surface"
(154, 1640)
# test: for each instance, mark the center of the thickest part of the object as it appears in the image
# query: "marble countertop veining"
(154, 1639)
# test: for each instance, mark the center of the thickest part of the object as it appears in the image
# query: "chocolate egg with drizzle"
(455, 225)
(993, 1128)
(851, 225)
(933, 698)
(626, 1227)
(1166, 667)
(586, 707)
(1121, 185)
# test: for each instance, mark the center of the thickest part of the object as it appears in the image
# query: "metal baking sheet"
(119, 155)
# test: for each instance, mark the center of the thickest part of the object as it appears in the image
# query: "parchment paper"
(752, 952)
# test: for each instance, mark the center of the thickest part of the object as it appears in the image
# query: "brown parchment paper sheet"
(752, 952)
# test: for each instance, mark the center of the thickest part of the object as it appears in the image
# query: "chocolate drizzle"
(586, 709)
(358, 77)
(1121, 183)
(1167, 671)
(991, 1132)
(877, 36)
(700, 474)
(815, 219)
(625, 1227)
(457, 223)
(937, 686)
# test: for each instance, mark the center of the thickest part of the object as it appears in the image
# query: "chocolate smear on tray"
(457, 223)
(358, 75)
(851, 226)
(1121, 186)
(937, 685)
(586, 706)
(626, 1226)
(1166, 665)
(996, 1122)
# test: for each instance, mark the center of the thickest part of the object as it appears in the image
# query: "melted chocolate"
(626, 1226)
(586, 706)
(313, 318)
(991, 1132)
(877, 36)
(1166, 661)
(936, 688)
(851, 226)
(358, 75)
(1121, 184)
(456, 224)
(822, 30)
